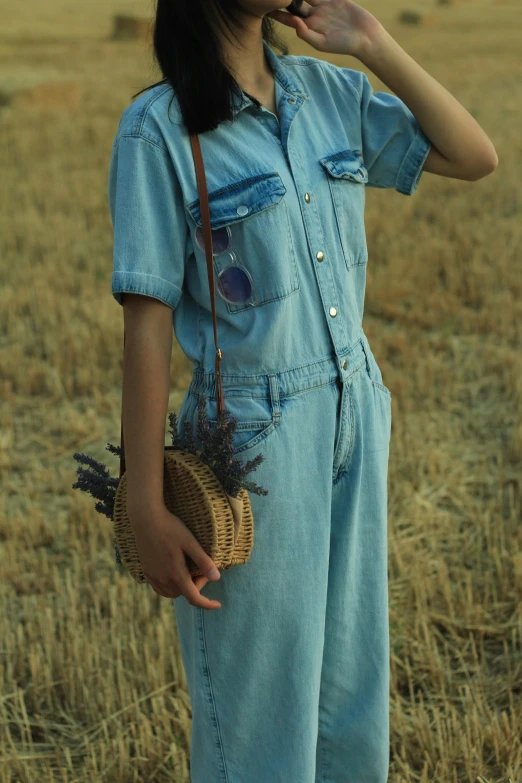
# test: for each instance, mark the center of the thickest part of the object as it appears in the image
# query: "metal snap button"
(320, 256)
(242, 210)
(307, 198)
(291, 100)
(333, 312)
(345, 364)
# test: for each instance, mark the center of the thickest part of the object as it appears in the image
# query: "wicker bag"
(222, 522)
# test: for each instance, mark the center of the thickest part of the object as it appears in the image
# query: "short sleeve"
(394, 145)
(148, 218)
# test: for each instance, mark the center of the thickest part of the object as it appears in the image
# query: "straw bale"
(130, 28)
(417, 18)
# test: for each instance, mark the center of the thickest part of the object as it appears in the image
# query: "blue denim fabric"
(289, 679)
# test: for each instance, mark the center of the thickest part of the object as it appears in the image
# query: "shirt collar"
(284, 75)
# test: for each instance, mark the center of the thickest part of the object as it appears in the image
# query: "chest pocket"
(255, 213)
(347, 178)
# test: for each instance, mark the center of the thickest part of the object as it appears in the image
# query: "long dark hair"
(187, 50)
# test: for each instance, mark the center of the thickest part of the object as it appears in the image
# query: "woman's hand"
(162, 540)
(333, 26)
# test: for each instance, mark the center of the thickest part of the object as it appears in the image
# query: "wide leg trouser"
(289, 679)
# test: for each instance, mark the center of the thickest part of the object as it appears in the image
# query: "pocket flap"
(347, 164)
(240, 200)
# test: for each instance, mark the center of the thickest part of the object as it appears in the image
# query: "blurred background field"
(92, 684)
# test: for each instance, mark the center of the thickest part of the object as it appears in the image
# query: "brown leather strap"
(207, 236)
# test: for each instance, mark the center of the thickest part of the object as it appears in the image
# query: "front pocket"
(347, 178)
(382, 388)
(255, 213)
(254, 415)
(373, 370)
(382, 400)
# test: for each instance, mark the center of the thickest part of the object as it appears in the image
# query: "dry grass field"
(92, 684)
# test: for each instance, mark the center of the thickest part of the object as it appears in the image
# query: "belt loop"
(274, 398)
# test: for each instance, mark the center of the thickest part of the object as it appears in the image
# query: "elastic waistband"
(290, 381)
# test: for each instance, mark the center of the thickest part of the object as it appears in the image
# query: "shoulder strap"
(207, 236)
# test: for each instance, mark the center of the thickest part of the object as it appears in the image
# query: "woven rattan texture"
(192, 492)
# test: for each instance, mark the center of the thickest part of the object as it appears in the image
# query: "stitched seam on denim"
(297, 367)
(346, 176)
(250, 425)
(416, 165)
(352, 433)
(206, 674)
(342, 154)
(307, 389)
(376, 383)
(354, 371)
(361, 257)
(321, 756)
(195, 390)
(343, 469)
(239, 184)
(337, 220)
(361, 260)
(129, 288)
(140, 119)
(256, 439)
(141, 137)
(340, 437)
(199, 371)
(382, 387)
(405, 158)
(349, 83)
(301, 59)
(325, 764)
(146, 274)
(134, 286)
(349, 349)
(275, 402)
(199, 388)
(292, 248)
(324, 761)
(233, 221)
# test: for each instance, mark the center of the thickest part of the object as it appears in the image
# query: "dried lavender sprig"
(216, 450)
(173, 430)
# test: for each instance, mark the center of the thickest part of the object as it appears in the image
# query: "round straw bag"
(222, 524)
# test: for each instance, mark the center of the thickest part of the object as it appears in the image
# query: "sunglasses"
(234, 282)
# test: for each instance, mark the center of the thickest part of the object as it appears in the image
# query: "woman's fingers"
(165, 592)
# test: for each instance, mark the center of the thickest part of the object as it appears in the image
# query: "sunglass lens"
(234, 285)
(220, 239)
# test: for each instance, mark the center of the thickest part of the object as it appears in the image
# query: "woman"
(289, 678)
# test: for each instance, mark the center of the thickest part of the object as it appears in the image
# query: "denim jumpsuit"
(289, 679)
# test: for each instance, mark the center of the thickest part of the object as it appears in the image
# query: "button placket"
(325, 277)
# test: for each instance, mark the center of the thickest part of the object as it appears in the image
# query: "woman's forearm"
(146, 381)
